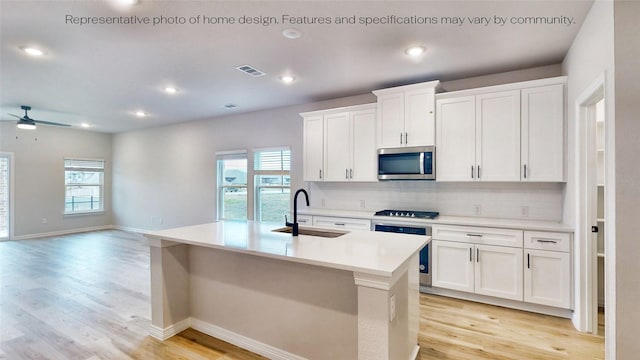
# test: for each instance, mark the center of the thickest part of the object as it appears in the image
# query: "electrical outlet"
(44, 220)
(477, 210)
(392, 308)
(322, 203)
(362, 204)
(524, 211)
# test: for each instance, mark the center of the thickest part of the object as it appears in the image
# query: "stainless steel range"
(408, 222)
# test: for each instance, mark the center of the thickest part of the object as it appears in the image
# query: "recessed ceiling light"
(127, 2)
(414, 50)
(291, 33)
(85, 125)
(287, 79)
(33, 51)
(140, 113)
(170, 90)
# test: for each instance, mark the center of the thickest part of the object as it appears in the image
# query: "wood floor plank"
(86, 297)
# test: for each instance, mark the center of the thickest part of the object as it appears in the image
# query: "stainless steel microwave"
(408, 163)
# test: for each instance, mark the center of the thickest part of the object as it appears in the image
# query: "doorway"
(591, 213)
(6, 196)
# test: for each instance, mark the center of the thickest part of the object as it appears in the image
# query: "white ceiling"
(102, 74)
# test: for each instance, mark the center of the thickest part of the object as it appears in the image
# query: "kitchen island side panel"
(291, 306)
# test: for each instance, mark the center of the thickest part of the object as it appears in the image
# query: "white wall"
(166, 177)
(627, 173)
(39, 176)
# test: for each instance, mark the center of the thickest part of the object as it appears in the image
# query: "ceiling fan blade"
(49, 123)
(19, 117)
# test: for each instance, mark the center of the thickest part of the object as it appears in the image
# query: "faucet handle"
(286, 221)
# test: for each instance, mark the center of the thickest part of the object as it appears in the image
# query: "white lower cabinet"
(452, 265)
(498, 271)
(481, 269)
(530, 266)
(547, 273)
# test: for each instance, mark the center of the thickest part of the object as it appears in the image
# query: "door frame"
(11, 157)
(585, 244)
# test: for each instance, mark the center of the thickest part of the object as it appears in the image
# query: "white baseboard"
(414, 354)
(63, 232)
(131, 229)
(163, 334)
(243, 341)
(520, 305)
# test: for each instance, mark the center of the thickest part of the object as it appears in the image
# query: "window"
(232, 185)
(272, 184)
(84, 182)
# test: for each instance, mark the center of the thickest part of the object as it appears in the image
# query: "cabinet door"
(455, 140)
(337, 147)
(547, 278)
(419, 119)
(498, 136)
(452, 265)
(498, 271)
(313, 148)
(543, 133)
(364, 166)
(391, 120)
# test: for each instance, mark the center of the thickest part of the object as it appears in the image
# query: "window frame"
(220, 186)
(101, 184)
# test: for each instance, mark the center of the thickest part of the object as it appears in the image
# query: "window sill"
(83, 213)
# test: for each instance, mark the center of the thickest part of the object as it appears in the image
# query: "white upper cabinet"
(363, 150)
(339, 144)
(406, 115)
(498, 136)
(313, 134)
(455, 149)
(543, 133)
(504, 133)
(337, 147)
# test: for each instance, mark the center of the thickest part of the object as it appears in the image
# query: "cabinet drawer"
(305, 220)
(542, 240)
(342, 223)
(478, 235)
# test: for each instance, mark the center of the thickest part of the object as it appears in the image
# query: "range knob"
(413, 215)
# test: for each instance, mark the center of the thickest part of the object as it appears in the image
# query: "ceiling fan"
(27, 123)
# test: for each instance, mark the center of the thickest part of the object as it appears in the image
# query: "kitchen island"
(307, 297)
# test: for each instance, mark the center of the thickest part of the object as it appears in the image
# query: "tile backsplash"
(532, 201)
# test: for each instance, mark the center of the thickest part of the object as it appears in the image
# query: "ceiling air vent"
(231, 106)
(248, 69)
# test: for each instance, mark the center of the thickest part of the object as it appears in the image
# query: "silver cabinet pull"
(472, 172)
(478, 171)
(350, 173)
(339, 224)
(470, 255)
(400, 138)
(528, 261)
(346, 174)
(547, 241)
(525, 171)
(475, 235)
(478, 255)
(406, 138)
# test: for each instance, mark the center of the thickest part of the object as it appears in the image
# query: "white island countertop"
(367, 252)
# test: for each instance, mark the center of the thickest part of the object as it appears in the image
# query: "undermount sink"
(312, 232)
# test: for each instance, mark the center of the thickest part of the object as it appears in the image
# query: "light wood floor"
(86, 297)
